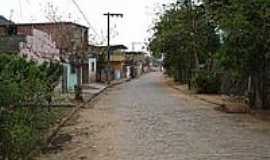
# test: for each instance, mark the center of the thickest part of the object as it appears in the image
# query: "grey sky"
(133, 27)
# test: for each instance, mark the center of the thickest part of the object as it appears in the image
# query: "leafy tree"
(245, 25)
(187, 37)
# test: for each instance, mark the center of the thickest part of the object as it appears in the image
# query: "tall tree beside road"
(246, 42)
(187, 37)
(187, 33)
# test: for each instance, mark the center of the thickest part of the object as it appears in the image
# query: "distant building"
(117, 60)
(137, 62)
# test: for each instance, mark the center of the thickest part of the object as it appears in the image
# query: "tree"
(187, 37)
(246, 40)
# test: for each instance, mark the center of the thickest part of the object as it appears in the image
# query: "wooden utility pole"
(109, 15)
(108, 27)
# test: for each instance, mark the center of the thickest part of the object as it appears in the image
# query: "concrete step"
(96, 86)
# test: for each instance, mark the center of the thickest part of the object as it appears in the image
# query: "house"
(93, 54)
(136, 61)
(117, 61)
(98, 55)
(69, 40)
(5, 21)
(115, 70)
(38, 46)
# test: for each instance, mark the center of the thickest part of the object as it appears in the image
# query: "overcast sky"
(138, 15)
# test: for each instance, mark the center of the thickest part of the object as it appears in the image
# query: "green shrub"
(24, 85)
(206, 82)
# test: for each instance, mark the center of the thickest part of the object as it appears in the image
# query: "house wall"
(117, 56)
(3, 31)
(118, 68)
(71, 78)
(10, 44)
(68, 36)
(39, 47)
(49, 40)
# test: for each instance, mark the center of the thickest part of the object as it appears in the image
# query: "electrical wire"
(87, 21)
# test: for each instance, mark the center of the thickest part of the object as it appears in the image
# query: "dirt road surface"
(146, 120)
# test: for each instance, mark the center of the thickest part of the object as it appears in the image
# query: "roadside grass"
(24, 130)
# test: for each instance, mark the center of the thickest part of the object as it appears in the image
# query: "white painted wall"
(128, 72)
(117, 74)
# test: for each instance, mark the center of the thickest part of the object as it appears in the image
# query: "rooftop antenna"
(95, 34)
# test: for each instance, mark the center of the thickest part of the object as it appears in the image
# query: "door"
(65, 79)
(85, 74)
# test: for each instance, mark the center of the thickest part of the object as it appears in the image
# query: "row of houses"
(67, 43)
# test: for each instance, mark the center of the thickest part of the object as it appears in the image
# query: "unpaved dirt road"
(146, 120)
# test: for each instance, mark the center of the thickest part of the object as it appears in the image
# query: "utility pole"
(109, 15)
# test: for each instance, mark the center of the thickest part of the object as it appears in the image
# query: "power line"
(86, 19)
(109, 15)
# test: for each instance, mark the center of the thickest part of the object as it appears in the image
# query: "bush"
(206, 82)
(23, 87)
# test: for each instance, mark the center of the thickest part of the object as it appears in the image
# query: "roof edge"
(48, 23)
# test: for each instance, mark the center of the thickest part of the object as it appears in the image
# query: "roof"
(135, 53)
(5, 21)
(96, 47)
(121, 46)
(50, 23)
(112, 47)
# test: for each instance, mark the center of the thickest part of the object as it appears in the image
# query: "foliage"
(207, 82)
(187, 37)
(220, 35)
(24, 85)
(26, 82)
(246, 34)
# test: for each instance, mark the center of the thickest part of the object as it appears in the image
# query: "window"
(72, 69)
